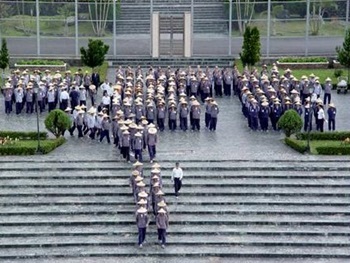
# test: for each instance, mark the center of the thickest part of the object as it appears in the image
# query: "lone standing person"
(142, 223)
(176, 177)
(162, 221)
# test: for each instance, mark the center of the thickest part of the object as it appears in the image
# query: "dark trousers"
(183, 124)
(80, 131)
(204, 96)
(331, 124)
(306, 124)
(72, 129)
(207, 120)
(29, 107)
(142, 235)
(105, 133)
(162, 235)
(83, 102)
(138, 155)
(212, 125)
(41, 106)
(327, 98)
(152, 151)
(264, 123)
(177, 185)
(52, 106)
(160, 123)
(274, 121)
(218, 90)
(64, 105)
(196, 124)
(126, 152)
(254, 123)
(92, 133)
(18, 107)
(172, 125)
(8, 107)
(320, 124)
(227, 89)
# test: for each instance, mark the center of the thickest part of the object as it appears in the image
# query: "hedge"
(40, 62)
(29, 147)
(23, 135)
(302, 59)
(299, 146)
(333, 150)
(324, 136)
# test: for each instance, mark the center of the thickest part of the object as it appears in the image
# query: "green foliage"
(29, 147)
(333, 150)
(324, 136)
(250, 54)
(35, 62)
(300, 146)
(23, 135)
(302, 59)
(57, 122)
(290, 122)
(344, 52)
(94, 55)
(338, 73)
(4, 55)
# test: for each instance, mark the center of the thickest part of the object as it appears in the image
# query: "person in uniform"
(327, 91)
(320, 117)
(8, 91)
(142, 222)
(264, 114)
(196, 114)
(80, 122)
(152, 140)
(19, 96)
(138, 143)
(125, 145)
(105, 126)
(29, 98)
(161, 115)
(332, 112)
(162, 221)
(176, 178)
(214, 112)
(183, 114)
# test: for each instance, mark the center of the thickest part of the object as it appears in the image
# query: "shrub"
(299, 146)
(338, 73)
(36, 62)
(23, 135)
(324, 136)
(333, 150)
(57, 122)
(27, 147)
(302, 59)
(290, 122)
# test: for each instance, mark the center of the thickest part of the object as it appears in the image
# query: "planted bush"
(302, 60)
(299, 146)
(324, 136)
(57, 122)
(35, 62)
(23, 135)
(333, 150)
(290, 122)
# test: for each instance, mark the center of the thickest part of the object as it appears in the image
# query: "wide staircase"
(228, 211)
(208, 15)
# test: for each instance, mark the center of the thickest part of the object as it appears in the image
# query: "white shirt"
(64, 95)
(106, 100)
(320, 114)
(177, 173)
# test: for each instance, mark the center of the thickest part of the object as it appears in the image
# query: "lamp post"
(36, 92)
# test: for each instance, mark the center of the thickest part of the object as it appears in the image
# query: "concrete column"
(151, 25)
(268, 28)
(347, 14)
(37, 27)
(155, 35)
(230, 30)
(307, 28)
(76, 30)
(187, 35)
(114, 29)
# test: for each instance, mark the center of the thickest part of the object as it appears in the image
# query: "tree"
(290, 122)
(98, 12)
(94, 55)
(57, 122)
(344, 53)
(251, 47)
(244, 12)
(4, 57)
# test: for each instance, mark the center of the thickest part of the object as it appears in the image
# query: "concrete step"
(186, 251)
(47, 182)
(196, 240)
(188, 200)
(186, 191)
(336, 220)
(174, 208)
(175, 230)
(331, 177)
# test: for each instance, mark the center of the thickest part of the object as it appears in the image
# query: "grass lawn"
(102, 70)
(29, 147)
(315, 144)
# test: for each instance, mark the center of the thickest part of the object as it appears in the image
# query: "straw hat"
(142, 202)
(138, 134)
(141, 184)
(152, 130)
(328, 79)
(160, 192)
(138, 179)
(126, 132)
(135, 173)
(162, 204)
(68, 109)
(155, 171)
(161, 211)
(142, 210)
(156, 165)
(137, 163)
(142, 194)
(331, 105)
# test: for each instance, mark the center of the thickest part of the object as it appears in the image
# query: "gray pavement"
(203, 45)
(233, 140)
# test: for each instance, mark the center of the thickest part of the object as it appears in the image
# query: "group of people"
(149, 201)
(266, 95)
